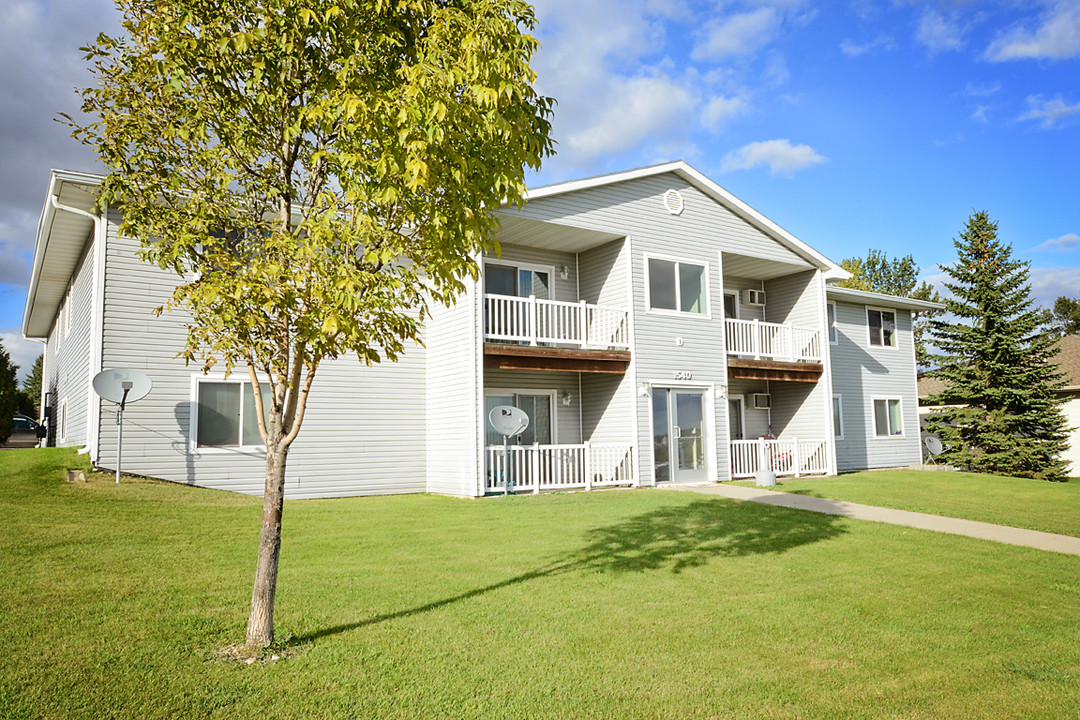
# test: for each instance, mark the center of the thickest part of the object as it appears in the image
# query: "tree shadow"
(669, 539)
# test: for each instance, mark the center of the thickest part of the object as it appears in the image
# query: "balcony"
(528, 333)
(773, 351)
(796, 457)
(533, 468)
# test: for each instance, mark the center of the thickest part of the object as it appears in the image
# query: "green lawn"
(1020, 502)
(618, 604)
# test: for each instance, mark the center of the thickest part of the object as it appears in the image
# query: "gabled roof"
(58, 247)
(710, 189)
(866, 297)
(1068, 359)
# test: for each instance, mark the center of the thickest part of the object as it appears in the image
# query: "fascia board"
(874, 298)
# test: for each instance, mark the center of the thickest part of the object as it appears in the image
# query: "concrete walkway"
(971, 528)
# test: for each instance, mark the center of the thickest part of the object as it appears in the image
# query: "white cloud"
(882, 43)
(636, 110)
(1048, 284)
(23, 352)
(781, 157)
(1065, 243)
(939, 33)
(1056, 38)
(980, 114)
(737, 35)
(1049, 113)
(721, 110)
(972, 90)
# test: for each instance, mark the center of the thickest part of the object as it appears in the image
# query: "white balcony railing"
(772, 341)
(559, 467)
(552, 322)
(784, 457)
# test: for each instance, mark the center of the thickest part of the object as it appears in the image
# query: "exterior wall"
(362, 432)
(737, 285)
(861, 372)
(563, 290)
(452, 407)
(607, 403)
(1071, 410)
(603, 276)
(755, 422)
(67, 373)
(567, 418)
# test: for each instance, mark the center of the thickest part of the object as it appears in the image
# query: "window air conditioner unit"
(762, 401)
(753, 297)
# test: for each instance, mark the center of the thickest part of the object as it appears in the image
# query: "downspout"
(93, 403)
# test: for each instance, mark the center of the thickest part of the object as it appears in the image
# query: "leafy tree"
(9, 394)
(1002, 414)
(31, 389)
(899, 276)
(1066, 315)
(317, 172)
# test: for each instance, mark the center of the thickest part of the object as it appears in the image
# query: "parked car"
(25, 431)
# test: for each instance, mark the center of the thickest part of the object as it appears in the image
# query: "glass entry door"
(679, 435)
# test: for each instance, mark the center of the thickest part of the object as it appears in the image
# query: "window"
(830, 312)
(882, 325)
(888, 418)
(67, 312)
(837, 416)
(677, 286)
(63, 421)
(225, 416)
(517, 281)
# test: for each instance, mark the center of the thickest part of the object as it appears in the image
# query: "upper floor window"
(678, 286)
(830, 311)
(226, 414)
(882, 324)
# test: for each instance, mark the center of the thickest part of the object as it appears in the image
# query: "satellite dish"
(933, 445)
(508, 420)
(121, 385)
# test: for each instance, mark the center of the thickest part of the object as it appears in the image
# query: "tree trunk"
(260, 629)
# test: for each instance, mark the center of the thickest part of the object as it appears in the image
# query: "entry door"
(679, 435)
(735, 418)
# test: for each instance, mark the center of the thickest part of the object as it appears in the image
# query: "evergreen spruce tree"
(998, 364)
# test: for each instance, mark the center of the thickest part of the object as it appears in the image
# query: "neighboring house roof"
(710, 189)
(1068, 359)
(60, 241)
(874, 298)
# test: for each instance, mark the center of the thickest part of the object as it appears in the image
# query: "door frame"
(708, 422)
(741, 399)
(552, 395)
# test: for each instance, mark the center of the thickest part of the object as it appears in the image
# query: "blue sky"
(856, 124)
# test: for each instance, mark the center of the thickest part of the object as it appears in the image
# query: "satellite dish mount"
(508, 420)
(121, 386)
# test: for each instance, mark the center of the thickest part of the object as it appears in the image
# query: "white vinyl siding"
(363, 432)
(860, 372)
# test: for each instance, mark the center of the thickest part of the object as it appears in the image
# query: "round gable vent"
(673, 202)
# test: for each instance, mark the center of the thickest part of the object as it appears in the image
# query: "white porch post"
(789, 337)
(795, 458)
(532, 320)
(583, 323)
(535, 466)
(755, 340)
(586, 465)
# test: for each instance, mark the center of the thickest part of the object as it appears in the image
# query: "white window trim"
(553, 396)
(707, 315)
(896, 328)
(834, 329)
(873, 418)
(549, 269)
(193, 427)
(840, 405)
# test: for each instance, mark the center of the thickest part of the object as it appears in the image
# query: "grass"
(621, 604)
(1019, 502)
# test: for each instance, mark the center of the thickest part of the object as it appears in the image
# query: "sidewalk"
(971, 528)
